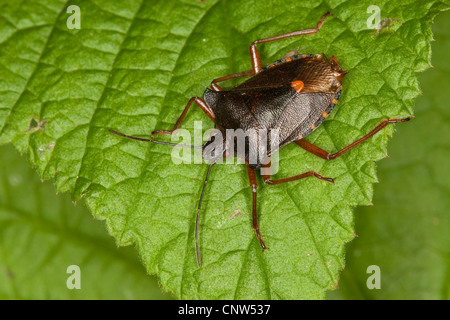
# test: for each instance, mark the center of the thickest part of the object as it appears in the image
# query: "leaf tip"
(335, 285)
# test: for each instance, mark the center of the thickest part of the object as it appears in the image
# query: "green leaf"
(406, 232)
(133, 66)
(42, 235)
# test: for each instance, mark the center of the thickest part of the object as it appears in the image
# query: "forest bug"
(293, 95)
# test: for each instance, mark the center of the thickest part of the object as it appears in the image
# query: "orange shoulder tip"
(297, 85)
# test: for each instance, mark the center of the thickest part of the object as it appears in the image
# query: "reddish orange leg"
(268, 180)
(330, 156)
(307, 174)
(215, 87)
(256, 63)
(254, 55)
(202, 104)
(255, 226)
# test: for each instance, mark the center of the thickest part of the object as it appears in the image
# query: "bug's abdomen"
(250, 109)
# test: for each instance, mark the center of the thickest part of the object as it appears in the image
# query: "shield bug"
(292, 96)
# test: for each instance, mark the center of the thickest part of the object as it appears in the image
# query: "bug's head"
(339, 73)
(216, 147)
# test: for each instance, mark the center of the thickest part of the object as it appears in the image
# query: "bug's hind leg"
(255, 226)
(256, 63)
(330, 156)
(200, 102)
(215, 87)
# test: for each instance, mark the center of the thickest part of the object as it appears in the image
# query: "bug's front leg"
(255, 226)
(330, 156)
(200, 102)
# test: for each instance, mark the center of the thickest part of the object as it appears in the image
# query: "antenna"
(204, 185)
(154, 141)
(198, 213)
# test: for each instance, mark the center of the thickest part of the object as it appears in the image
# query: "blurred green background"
(42, 234)
(405, 233)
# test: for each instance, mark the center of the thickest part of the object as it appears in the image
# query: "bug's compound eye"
(213, 148)
(226, 152)
(212, 133)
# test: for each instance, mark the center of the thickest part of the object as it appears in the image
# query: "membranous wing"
(300, 116)
(249, 109)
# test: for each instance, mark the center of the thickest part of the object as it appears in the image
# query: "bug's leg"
(267, 177)
(256, 63)
(329, 156)
(215, 87)
(201, 103)
(255, 226)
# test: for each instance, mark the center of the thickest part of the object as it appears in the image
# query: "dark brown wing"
(249, 109)
(292, 114)
(270, 101)
(315, 71)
